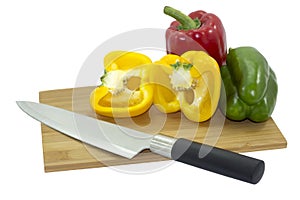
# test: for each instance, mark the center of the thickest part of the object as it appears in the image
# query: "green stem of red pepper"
(186, 22)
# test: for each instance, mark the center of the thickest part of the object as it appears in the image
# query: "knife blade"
(128, 142)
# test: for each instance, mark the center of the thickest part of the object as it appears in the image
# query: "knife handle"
(218, 160)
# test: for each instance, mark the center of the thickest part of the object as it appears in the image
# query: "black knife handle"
(218, 160)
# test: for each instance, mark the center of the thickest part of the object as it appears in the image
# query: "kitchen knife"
(127, 142)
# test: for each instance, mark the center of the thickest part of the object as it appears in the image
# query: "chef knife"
(127, 142)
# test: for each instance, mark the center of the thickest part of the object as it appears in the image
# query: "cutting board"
(64, 153)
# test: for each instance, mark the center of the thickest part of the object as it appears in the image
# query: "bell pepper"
(250, 85)
(165, 98)
(198, 31)
(190, 83)
(125, 90)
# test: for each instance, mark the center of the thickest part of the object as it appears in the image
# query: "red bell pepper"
(197, 31)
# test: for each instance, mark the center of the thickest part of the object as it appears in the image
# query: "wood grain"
(64, 153)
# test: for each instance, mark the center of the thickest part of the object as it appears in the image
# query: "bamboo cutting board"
(64, 153)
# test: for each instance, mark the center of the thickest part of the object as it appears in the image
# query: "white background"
(43, 46)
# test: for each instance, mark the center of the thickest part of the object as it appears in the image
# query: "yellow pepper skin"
(124, 60)
(196, 93)
(125, 89)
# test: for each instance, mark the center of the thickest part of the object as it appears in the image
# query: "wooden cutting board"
(64, 153)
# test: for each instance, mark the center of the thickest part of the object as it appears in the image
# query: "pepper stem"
(186, 22)
(185, 66)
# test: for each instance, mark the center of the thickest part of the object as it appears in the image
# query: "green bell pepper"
(250, 85)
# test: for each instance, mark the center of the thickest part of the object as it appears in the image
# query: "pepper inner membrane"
(129, 97)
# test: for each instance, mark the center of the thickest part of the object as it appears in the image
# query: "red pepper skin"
(209, 37)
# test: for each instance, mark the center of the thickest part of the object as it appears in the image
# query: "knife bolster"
(162, 145)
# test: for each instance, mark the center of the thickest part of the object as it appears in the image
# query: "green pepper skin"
(250, 86)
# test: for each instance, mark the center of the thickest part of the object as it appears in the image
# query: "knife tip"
(21, 104)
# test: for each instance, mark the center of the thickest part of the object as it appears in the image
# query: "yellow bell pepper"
(191, 82)
(125, 89)
(165, 98)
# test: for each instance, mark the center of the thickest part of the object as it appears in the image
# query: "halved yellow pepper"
(165, 98)
(125, 89)
(191, 83)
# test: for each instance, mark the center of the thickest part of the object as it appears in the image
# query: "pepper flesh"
(130, 96)
(198, 31)
(198, 101)
(250, 85)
